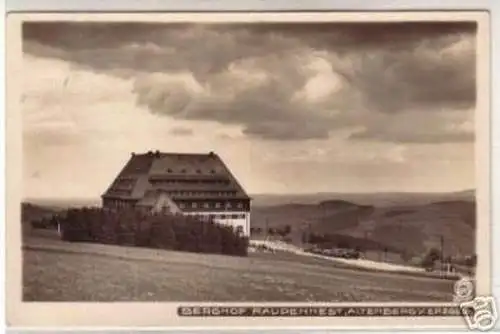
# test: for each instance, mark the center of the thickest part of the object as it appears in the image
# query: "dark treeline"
(346, 241)
(132, 228)
(46, 222)
(282, 231)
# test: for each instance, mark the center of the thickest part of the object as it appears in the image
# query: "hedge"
(45, 223)
(131, 228)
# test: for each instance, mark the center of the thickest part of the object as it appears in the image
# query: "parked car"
(351, 254)
(342, 253)
(334, 252)
(314, 250)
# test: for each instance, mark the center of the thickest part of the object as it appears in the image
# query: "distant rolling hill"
(410, 226)
(31, 212)
(375, 199)
(63, 203)
(405, 221)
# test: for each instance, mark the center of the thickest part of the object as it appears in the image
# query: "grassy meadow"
(54, 270)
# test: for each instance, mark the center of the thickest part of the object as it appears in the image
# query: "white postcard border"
(161, 314)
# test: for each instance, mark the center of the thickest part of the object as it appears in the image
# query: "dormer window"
(169, 170)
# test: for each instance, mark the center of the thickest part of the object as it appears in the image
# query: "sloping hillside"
(326, 217)
(409, 228)
(413, 228)
(416, 229)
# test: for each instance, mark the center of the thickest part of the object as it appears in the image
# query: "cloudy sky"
(291, 108)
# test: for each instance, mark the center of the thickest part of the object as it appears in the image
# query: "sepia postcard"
(247, 170)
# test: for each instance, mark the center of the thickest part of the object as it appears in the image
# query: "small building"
(200, 185)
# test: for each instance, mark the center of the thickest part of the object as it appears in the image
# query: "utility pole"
(306, 227)
(308, 233)
(267, 229)
(442, 249)
(366, 243)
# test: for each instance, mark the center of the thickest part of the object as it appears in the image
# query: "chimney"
(133, 154)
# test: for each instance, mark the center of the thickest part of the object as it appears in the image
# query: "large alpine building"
(177, 183)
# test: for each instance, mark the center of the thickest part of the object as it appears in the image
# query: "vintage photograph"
(320, 161)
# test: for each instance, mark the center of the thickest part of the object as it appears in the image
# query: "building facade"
(199, 185)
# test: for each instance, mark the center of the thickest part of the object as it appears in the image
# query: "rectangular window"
(194, 205)
(235, 216)
(218, 205)
(240, 205)
(206, 205)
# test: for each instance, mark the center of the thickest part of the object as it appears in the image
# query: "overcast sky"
(291, 108)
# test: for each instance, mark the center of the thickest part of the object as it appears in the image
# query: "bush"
(471, 261)
(430, 258)
(131, 228)
(406, 257)
(45, 223)
(416, 261)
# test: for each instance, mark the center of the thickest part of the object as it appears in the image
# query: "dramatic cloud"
(399, 83)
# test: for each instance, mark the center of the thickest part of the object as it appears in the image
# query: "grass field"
(57, 271)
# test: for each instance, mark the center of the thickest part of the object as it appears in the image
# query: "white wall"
(243, 222)
(164, 202)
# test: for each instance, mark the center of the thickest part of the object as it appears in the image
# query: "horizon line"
(298, 194)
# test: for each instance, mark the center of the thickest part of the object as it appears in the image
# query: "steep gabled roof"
(144, 172)
(131, 182)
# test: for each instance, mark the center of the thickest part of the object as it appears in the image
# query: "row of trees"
(433, 255)
(132, 228)
(346, 241)
(272, 231)
(46, 222)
